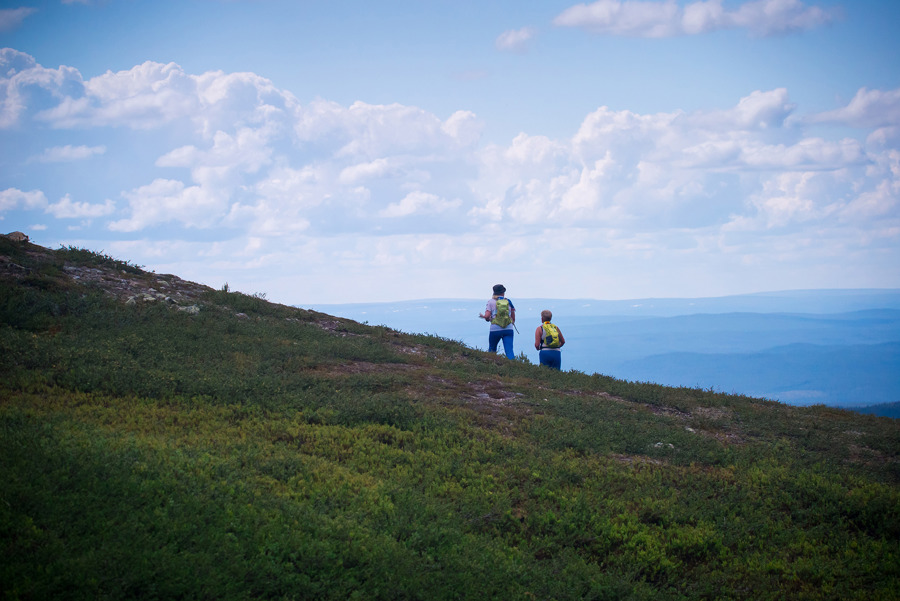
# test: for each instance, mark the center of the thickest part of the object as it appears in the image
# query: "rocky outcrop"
(142, 288)
(16, 237)
(130, 287)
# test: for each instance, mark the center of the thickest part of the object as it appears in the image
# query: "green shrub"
(90, 258)
(149, 453)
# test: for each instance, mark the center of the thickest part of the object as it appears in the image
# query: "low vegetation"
(256, 451)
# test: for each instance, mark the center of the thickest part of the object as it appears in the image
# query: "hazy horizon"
(836, 347)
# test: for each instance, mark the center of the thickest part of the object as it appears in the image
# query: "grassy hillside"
(162, 440)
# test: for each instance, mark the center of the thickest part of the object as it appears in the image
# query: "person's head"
(499, 290)
(546, 315)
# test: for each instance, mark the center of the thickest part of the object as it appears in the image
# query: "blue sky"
(330, 152)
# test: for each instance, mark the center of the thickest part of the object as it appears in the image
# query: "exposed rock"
(144, 298)
(13, 267)
(134, 288)
(17, 237)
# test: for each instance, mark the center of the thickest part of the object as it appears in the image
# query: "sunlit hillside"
(161, 439)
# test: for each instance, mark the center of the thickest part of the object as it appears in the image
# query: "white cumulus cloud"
(13, 198)
(657, 19)
(515, 40)
(165, 201)
(67, 153)
(12, 18)
(418, 202)
(867, 109)
(67, 209)
(367, 170)
(143, 97)
(27, 87)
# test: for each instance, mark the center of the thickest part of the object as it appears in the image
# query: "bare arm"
(538, 335)
(486, 315)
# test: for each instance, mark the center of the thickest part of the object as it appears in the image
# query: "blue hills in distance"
(833, 347)
(798, 374)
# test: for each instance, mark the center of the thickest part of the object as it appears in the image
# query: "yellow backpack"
(502, 318)
(551, 335)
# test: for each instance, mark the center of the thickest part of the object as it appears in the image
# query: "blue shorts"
(507, 337)
(552, 358)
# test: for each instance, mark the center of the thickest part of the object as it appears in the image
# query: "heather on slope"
(161, 439)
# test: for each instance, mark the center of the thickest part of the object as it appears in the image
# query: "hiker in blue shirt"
(502, 315)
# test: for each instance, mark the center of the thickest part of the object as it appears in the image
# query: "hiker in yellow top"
(548, 339)
(502, 315)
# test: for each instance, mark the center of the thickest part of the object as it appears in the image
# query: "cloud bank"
(270, 180)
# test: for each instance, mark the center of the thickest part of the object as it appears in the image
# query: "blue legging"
(507, 337)
(552, 358)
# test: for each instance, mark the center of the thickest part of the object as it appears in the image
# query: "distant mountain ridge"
(798, 374)
(785, 301)
(884, 410)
